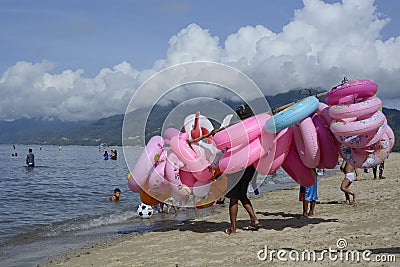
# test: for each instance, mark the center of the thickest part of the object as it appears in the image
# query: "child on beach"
(350, 174)
(309, 196)
(169, 202)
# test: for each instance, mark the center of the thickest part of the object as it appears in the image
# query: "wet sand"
(372, 223)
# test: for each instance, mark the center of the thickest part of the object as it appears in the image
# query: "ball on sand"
(144, 211)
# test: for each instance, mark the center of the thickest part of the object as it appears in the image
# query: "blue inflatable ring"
(292, 114)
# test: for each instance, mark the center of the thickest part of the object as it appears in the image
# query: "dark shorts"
(239, 191)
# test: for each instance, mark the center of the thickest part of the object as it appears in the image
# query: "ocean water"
(61, 203)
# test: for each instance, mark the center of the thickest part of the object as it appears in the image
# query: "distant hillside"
(38, 131)
(106, 130)
(393, 118)
(109, 130)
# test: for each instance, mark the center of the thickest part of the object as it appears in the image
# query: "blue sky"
(96, 34)
(92, 35)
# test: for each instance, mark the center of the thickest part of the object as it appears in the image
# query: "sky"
(77, 60)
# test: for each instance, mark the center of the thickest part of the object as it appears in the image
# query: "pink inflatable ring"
(351, 91)
(357, 110)
(369, 157)
(358, 127)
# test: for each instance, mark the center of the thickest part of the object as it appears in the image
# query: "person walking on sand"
(309, 196)
(350, 174)
(239, 192)
(381, 168)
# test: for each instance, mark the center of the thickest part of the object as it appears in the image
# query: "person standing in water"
(30, 158)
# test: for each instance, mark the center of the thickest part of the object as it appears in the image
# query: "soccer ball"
(144, 211)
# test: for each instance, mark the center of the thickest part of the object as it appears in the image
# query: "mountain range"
(109, 130)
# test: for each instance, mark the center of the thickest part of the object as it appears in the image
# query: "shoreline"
(372, 223)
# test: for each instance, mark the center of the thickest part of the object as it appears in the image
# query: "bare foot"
(354, 197)
(311, 213)
(305, 214)
(256, 223)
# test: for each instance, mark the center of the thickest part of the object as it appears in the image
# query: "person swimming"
(116, 195)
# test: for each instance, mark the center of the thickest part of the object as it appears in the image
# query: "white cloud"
(322, 44)
(30, 91)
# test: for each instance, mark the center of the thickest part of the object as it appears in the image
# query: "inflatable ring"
(238, 158)
(217, 190)
(169, 133)
(328, 149)
(132, 185)
(147, 160)
(357, 110)
(306, 139)
(187, 178)
(269, 144)
(297, 170)
(292, 114)
(180, 191)
(148, 199)
(363, 140)
(283, 140)
(367, 125)
(156, 177)
(323, 110)
(194, 161)
(370, 157)
(351, 91)
(390, 134)
(240, 133)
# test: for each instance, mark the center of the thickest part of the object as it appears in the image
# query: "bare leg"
(305, 208)
(374, 171)
(249, 208)
(174, 206)
(347, 198)
(161, 207)
(381, 167)
(233, 211)
(186, 203)
(345, 187)
(312, 206)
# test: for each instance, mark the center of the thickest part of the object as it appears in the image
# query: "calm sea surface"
(62, 202)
